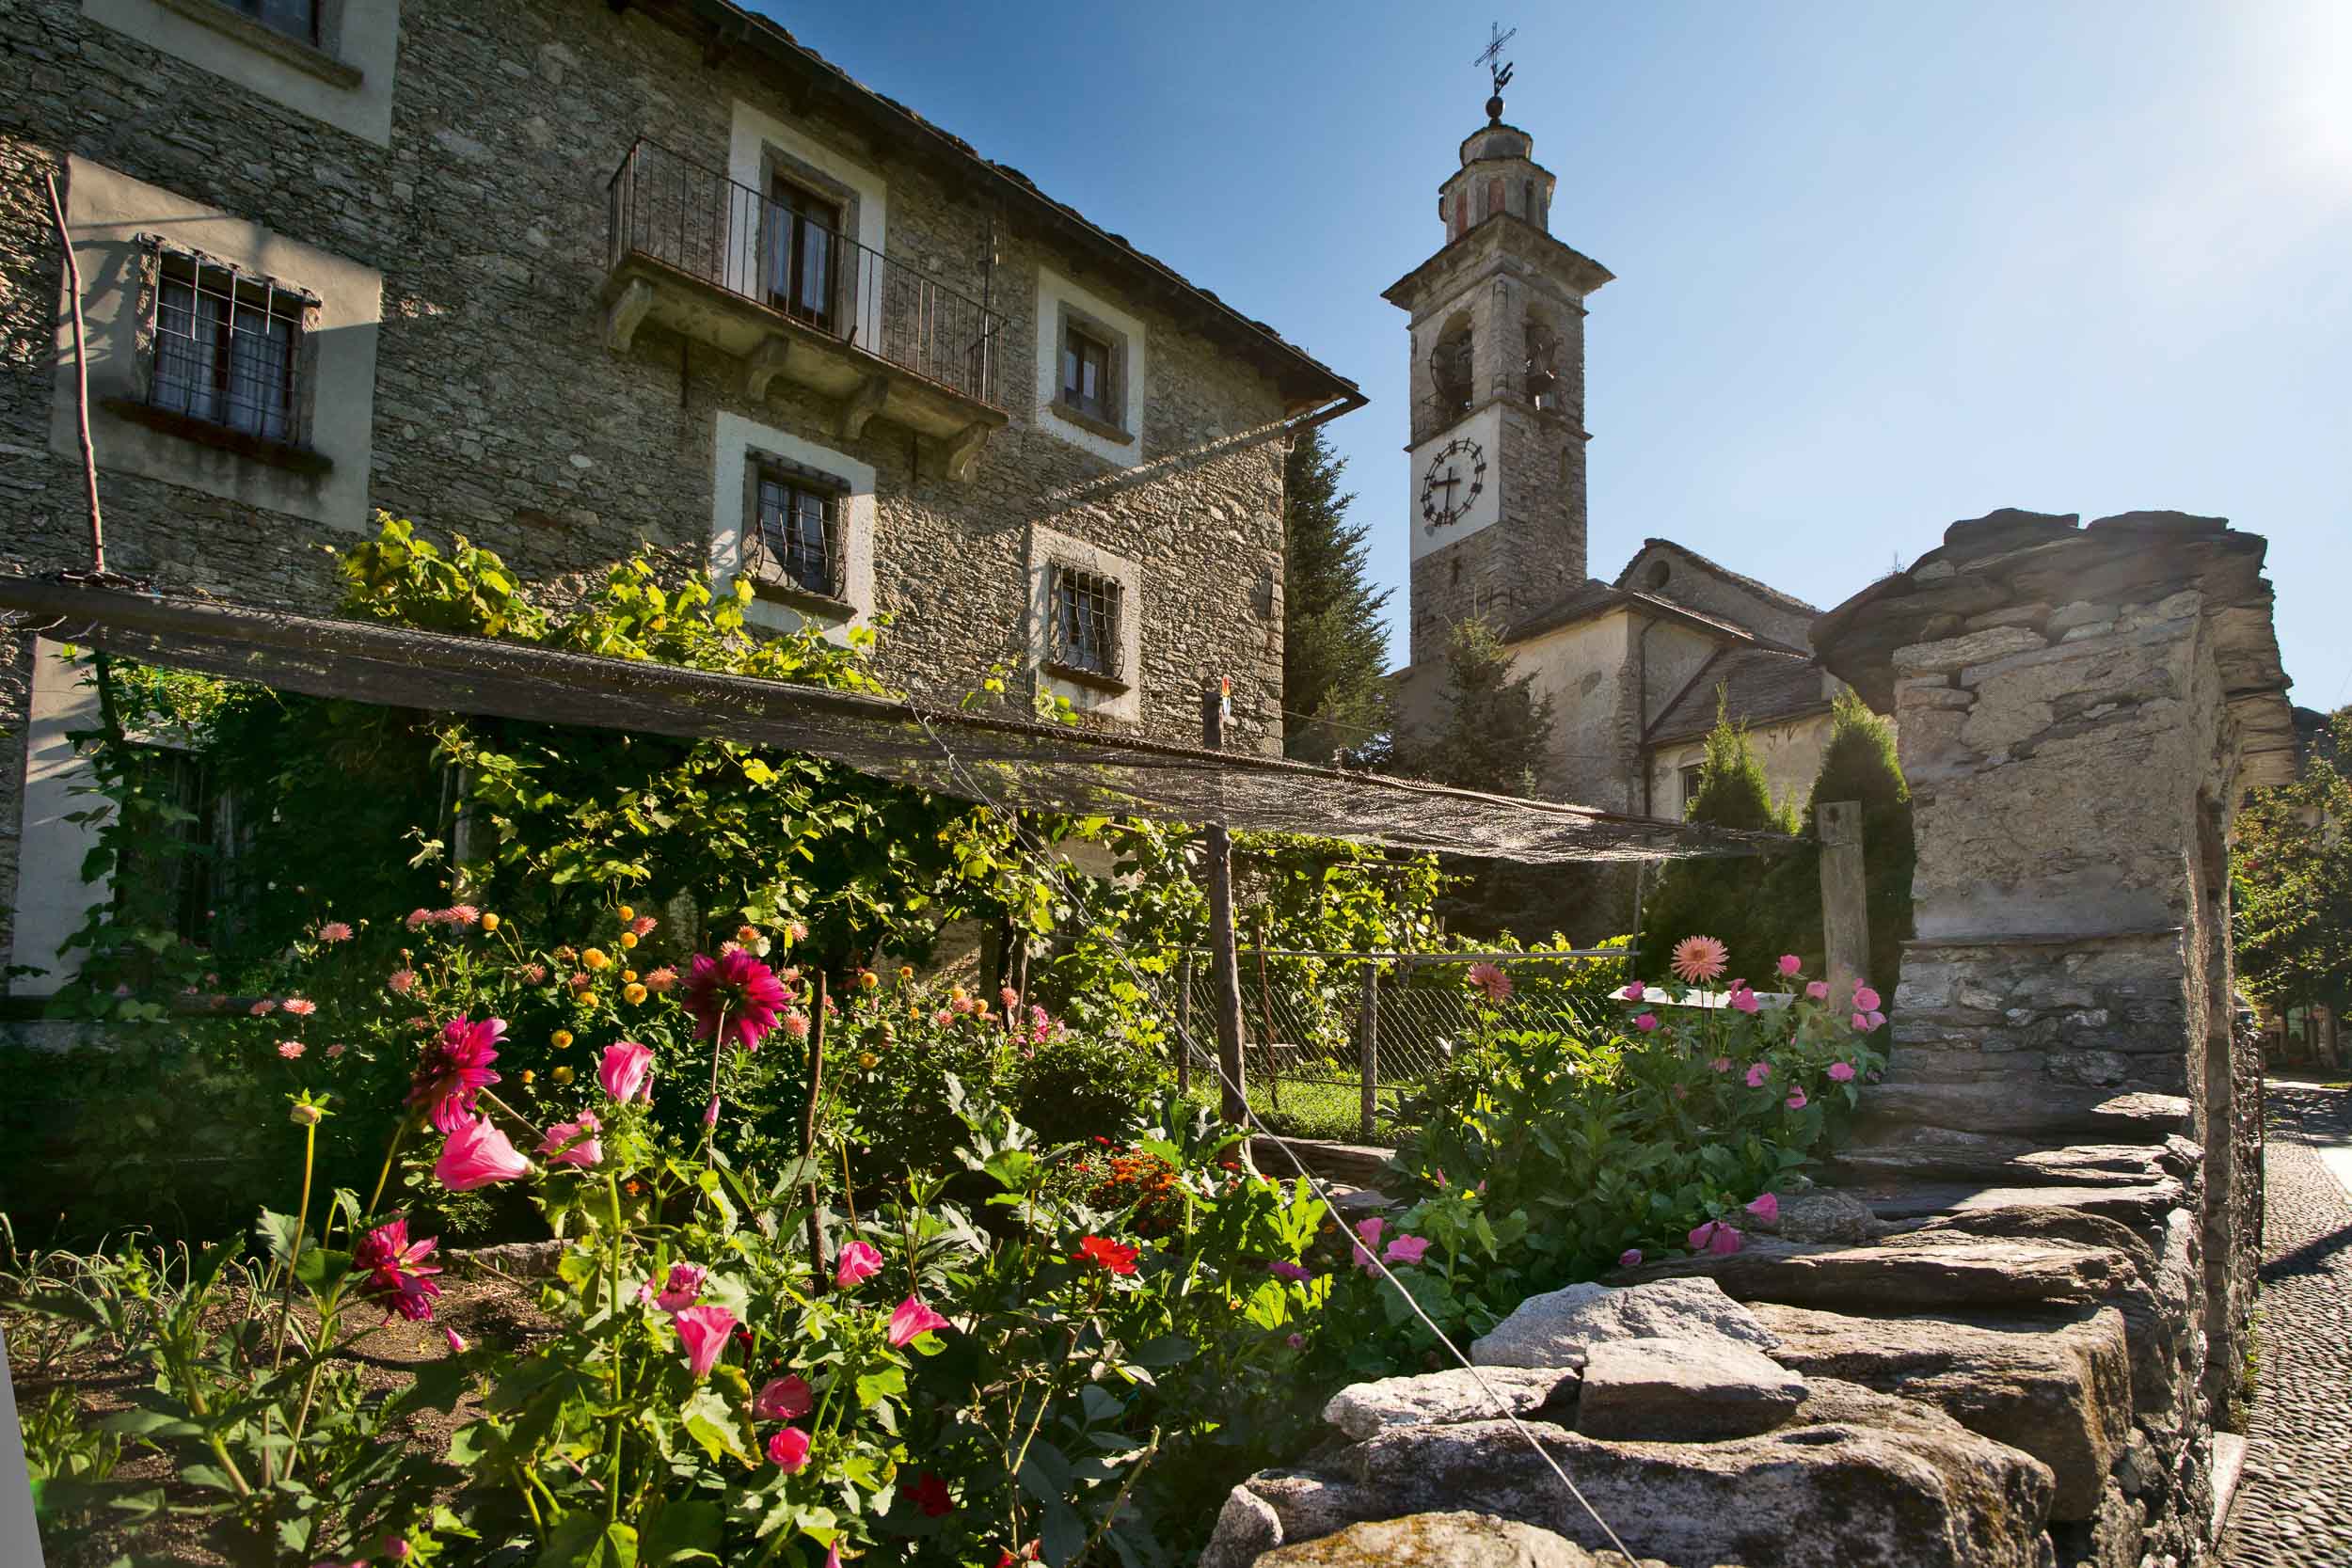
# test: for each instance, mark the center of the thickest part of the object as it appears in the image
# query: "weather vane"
(1497, 66)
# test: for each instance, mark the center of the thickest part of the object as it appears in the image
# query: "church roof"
(1760, 684)
(1764, 590)
(1594, 597)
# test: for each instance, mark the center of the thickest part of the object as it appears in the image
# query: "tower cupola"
(1498, 175)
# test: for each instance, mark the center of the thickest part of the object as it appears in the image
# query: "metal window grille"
(226, 345)
(797, 541)
(294, 18)
(1085, 630)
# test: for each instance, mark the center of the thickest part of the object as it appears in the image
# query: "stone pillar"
(2078, 712)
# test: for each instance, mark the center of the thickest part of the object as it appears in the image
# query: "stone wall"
(500, 412)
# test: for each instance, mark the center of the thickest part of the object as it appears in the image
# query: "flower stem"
(385, 1174)
(718, 1043)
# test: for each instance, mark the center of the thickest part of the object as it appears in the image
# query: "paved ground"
(2294, 1507)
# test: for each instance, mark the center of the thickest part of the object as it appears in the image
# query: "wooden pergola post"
(1845, 897)
(1224, 960)
(1368, 1052)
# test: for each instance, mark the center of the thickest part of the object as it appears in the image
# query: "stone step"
(1905, 1274)
(1900, 1154)
(2141, 1206)
(2048, 1112)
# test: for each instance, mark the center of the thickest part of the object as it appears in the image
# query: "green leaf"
(1064, 1534)
(879, 1384)
(1170, 1350)
(681, 1531)
(585, 1540)
(710, 1423)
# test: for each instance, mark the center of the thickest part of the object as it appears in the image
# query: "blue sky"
(1879, 266)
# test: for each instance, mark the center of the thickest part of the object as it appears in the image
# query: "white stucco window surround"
(1064, 308)
(51, 896)
(740, 448)
(132, 240)
(761, 149)
(1120, 697)
(341, 73)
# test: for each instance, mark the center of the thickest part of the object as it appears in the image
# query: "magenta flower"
(912, 1318)
(1296, 1341)
(685, 1284)
(1634, 993)
(574, 1143)
(1796, 1099)
(734, 996)
(477, 1154)
(1292, 1272)
(397, 1273)
(1792, 964)
(704, 1331)
(457, 1345)
(1864, 999)
(1646, 1022)
(1490, 979)
(1715, 1237)
(710, 1112)
(454, 1069)
(301, 1007)
(1841, 1072)
(334, 931)
(1757, 1073)
(1405, 1249)
(1864, 1022)
(1368, 1235)
(783, 1399)
(1629, 1257)
(624, 1069)
(789, 1449)
(1818, 990)
(1766, 1208)
(1744, 1000)
(858, 1263)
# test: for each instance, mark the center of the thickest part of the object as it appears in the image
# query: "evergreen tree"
(2291, 884)
(1495, 733)
(1334, 647)
(1858, 764)
(1727, 898)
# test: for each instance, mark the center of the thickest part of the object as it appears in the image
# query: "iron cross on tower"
(1491, 57)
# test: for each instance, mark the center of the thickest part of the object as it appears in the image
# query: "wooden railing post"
(1184, 1027)
(1224, 962)
(1368, 1052)
(1845, 897)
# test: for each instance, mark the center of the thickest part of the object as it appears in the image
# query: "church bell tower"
(1496, 498)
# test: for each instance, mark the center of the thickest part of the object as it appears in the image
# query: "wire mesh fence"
(1383, 1025)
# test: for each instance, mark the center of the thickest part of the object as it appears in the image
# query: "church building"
(1634, 664)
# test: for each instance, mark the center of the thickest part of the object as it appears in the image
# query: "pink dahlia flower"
(660, 981)
(301, 1007)
(1292, 1272)
(477, 1154)
(1697, 959)
(796, 1025)
(733, 996)
(290, 1049)
(1490, 979)
(398, 1277)
(912, 1319)
(624, 1069)
(574, 1143)
(1715, 1237)
(642, 926)
(454, 1069)
(704, 1331)
(784, 1399)
(858, 1262)
(335, 931)
(401, 981)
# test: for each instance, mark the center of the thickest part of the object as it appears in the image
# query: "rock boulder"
(1554, 1329)
(1445, 1540)
(1683, 1391)
(1449, 1397)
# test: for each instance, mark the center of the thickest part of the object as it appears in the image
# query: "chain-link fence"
(1383, 1025)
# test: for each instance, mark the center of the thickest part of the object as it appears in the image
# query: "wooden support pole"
(809, 1133)
(1845, 897)
(1368, 1052)
(1184, 1027)
(1224, 960)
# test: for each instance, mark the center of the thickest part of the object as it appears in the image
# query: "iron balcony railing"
(699, 221)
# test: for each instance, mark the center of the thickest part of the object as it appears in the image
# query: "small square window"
(294, 18)
(1083, 635)
(226, 346)
(795, 541)
(1690, 787)
(1086, 376)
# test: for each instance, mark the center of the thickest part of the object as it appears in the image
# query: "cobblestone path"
(2294, 1506)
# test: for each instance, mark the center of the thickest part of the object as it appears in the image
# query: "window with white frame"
(796, 533)
(1087, 360)
(226, 345)
(294, 18)
(1692, 775)
(1083, 627)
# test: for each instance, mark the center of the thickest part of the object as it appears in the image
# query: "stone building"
(572, 277)
(1496, 510)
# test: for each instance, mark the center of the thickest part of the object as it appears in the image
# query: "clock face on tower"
(1452, 482)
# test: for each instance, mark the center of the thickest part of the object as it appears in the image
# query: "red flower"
(733, 993)
(396, 1271)
(929, 1494)
(453, 1068)
(1107, 1254)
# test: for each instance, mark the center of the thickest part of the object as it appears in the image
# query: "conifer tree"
(1726, 898)
(1495, 729)
(1858, 764)
(2291, 886)
(1334, 647)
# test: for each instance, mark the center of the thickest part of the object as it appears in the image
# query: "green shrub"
(1072, 1086)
